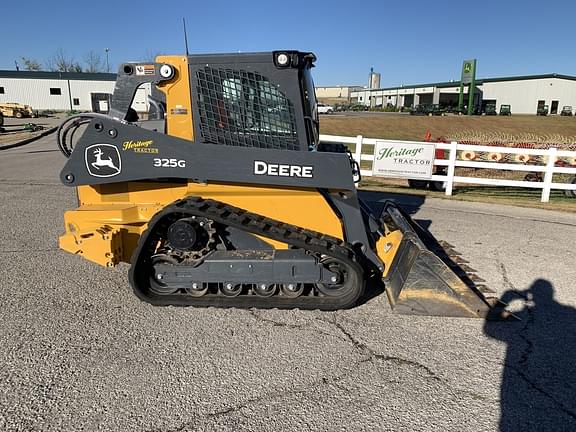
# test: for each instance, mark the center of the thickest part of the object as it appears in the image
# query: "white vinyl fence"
(453, 150)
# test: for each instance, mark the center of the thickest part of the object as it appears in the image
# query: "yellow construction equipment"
(17, 110)
(224, 196)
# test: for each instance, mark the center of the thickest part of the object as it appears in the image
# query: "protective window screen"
(240, 108)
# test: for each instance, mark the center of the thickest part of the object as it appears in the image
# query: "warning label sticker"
(145, 69)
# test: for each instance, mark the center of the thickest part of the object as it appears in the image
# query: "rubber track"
(238, 218)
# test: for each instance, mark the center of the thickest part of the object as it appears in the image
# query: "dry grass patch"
(521, 128)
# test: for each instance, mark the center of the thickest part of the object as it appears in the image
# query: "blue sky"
(408, 42)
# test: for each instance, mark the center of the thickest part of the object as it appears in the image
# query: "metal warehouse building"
(63, 91)
(336, 92)
(524, 93)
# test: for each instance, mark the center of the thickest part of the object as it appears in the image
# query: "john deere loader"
(225, 197)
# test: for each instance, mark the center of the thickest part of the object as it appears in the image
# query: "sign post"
(461, 97)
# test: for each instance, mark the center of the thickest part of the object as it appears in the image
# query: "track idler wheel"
(342, 281)
(156, 284)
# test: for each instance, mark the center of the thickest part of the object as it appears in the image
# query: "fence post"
(549, 174)
(358, 149)
(451, 167)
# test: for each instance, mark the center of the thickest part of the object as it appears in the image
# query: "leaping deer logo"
(103, 162)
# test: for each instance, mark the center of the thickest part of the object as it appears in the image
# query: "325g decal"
(169, 163)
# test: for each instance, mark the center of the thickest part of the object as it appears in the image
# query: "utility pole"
(107, 60)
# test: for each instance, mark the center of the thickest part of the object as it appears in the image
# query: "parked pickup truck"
(325, 109)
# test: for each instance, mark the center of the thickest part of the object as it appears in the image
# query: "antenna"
(185, 35)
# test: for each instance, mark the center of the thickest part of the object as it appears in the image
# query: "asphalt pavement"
(12, 134)
(79, 352)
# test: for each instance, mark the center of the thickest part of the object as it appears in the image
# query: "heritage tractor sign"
(403, 160)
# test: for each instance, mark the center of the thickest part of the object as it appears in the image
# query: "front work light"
(282, 59)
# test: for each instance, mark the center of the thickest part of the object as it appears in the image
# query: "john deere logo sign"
(403, 160)
(468, 71)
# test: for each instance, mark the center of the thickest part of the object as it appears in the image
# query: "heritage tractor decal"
(404, 160)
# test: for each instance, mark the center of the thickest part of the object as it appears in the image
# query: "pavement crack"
(275, 323)
(559, 405)
(402, 361)
(529, 344)
(232, 409)
(26, 183)
(505, 278)
(523, 362)
(373, 355)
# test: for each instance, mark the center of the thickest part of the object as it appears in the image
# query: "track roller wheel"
(197, 289)
(231, 289)
(265, 290)
(292, 290)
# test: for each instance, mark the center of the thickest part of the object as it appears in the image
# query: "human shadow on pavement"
(538, 391)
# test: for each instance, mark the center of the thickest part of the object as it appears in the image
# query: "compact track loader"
(225, 196)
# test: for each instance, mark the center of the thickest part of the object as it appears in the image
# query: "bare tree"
(49, 65)
(150, 55)
(31, 64)
(60, 62)
(93, 61)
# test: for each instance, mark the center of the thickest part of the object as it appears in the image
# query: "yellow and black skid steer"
(225, 197)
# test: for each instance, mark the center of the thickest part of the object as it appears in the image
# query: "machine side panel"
(113, 152)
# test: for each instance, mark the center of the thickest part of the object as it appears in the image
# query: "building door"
(540, 106)
(100, 102)
(408, 100)
(554, 107)
(426, 98)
